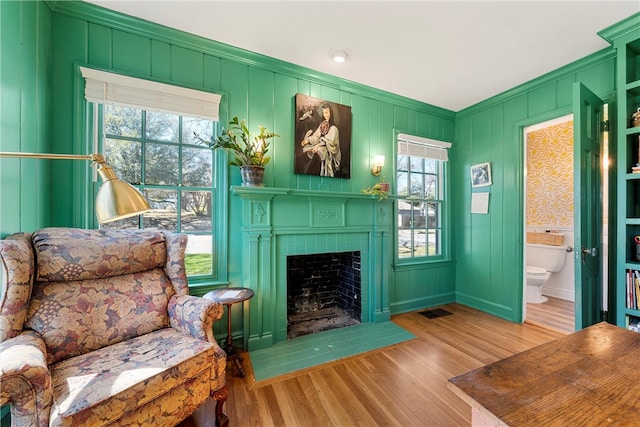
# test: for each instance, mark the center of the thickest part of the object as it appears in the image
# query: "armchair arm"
(25, 380)
(194, 316)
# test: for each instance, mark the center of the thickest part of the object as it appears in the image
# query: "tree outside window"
(158, 153)
(419, 180)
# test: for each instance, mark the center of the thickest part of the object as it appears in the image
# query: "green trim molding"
(116, 20)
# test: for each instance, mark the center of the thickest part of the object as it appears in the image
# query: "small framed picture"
(480, 175)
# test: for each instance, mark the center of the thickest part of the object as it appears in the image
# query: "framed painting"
(323, 138)
(480, 175)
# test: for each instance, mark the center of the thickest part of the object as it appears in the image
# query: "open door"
(588, 113)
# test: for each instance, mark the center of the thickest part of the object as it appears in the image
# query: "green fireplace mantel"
(257, 191)
(278, 222)
(309, 209)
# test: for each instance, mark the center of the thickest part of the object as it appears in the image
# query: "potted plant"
(380, 189)
(245, 151)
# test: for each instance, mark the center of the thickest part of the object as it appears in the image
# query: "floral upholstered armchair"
(97, 328)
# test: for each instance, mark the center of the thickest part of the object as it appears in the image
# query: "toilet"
(542, 261)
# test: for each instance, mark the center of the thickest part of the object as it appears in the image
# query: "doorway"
(549, 224)
(559, 312)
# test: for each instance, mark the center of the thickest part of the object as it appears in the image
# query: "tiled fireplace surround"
(278, 222)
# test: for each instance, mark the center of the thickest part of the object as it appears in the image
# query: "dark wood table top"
(587, 378)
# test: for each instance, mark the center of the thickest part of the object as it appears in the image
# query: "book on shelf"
(630, 291)
(633, 289)
(636, 288)
(634, 324)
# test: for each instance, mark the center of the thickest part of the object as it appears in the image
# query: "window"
(147, 133)
(421, 179)
(160, 154)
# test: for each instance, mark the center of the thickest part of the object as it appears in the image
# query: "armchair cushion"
(103, 253)
(132, 373)
(17, 263)
(81, 316)
(190, 315)
(174, 267)
(25, 374)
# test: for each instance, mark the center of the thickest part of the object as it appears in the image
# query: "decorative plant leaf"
(247, 151)
(376, 190)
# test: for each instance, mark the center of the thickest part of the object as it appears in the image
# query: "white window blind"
(102, 87)
(411, 145)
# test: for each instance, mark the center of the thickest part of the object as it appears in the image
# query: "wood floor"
(400, 385)
(556, 314)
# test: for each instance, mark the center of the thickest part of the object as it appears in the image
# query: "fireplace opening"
(323, 292)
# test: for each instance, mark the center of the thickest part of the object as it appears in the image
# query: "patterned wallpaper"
(550, 176)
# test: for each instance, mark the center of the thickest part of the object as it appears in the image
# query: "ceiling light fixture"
(339, 55)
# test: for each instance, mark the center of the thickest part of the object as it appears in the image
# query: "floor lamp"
(116, 199)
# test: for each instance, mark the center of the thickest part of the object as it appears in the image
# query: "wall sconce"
(116, 199)
(378, 163)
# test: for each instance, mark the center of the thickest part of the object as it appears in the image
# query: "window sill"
(427, 263)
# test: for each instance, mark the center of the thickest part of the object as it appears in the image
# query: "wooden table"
(588, 378)
(228, 297)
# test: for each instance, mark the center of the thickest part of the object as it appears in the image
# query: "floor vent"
(435, 313)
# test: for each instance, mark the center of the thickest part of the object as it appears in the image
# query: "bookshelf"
(625, 37)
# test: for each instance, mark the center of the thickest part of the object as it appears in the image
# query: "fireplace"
(281, 223)
(323, 292)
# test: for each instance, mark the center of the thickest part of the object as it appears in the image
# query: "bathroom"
(549, 207)
(549, 217)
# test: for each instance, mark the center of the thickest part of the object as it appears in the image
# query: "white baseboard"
(558, 293)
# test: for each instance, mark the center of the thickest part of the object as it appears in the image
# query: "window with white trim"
(421, 183)
(148, 133)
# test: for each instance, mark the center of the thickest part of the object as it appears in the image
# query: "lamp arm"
(50, 156)
(115, 200)
(105, 171)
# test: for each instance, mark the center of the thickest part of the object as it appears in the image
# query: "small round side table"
(228, 297)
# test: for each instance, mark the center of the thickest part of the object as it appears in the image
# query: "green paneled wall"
(25, 116)
(489, 248)
(42, 109)
(253, 86)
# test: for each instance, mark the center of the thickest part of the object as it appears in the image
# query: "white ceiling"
(451, 54)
